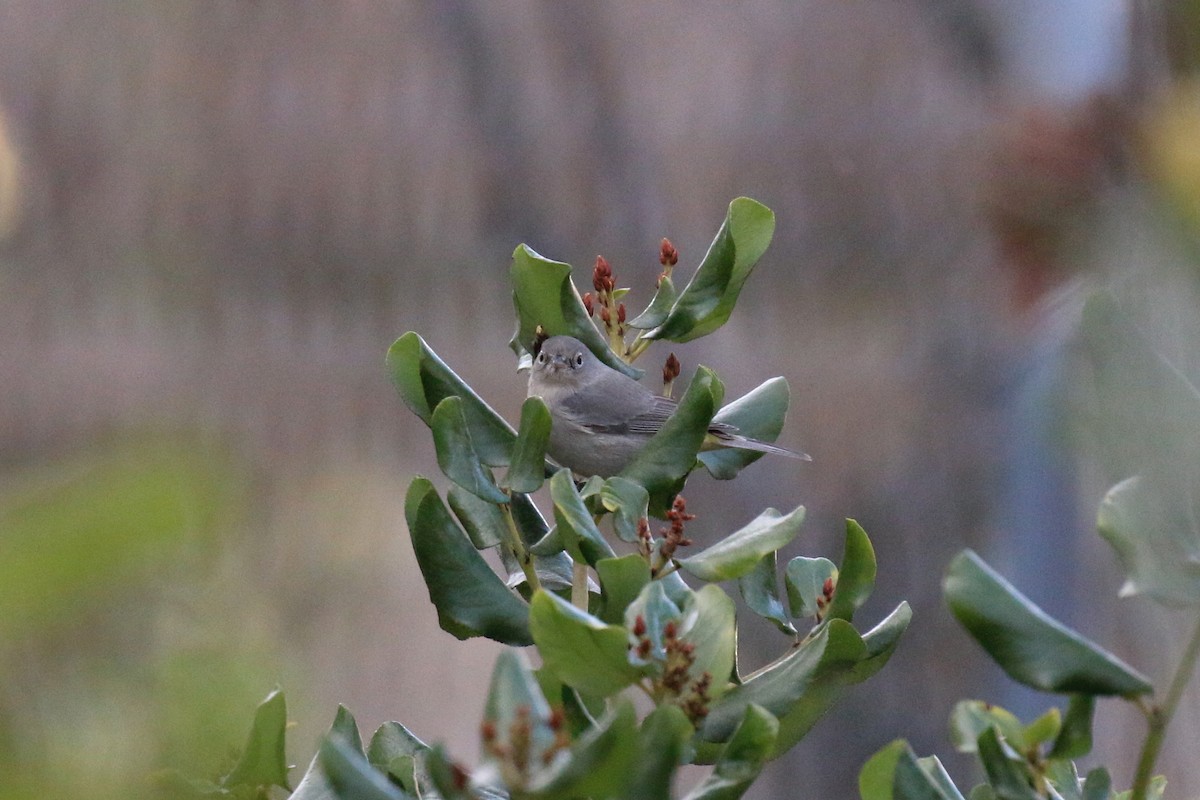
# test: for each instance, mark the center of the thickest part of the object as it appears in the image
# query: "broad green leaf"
(315, 784)
(621, 580)
(779, 686)
(263, 761)
(1098, 785)
(628, 503)
(758, 415)
(660, 306)
(760, 591)
(880, 642)
(1030, 646)
(545, 295)
(895, 773)
(663, 464)
(482, 519)
(530, 524)
(1064, 778)
(470, 598)
(742, 758)
(655, 610)
(600, 763)
(856, 574)
(661, 741)
(805, 580)
(352, 777)
(395, 750)
(449, 781)
(576, 529)
(527, 470)
(739, 552)
(456, 454)
(1156, 542)
(424, 381)
(1075, 738)
(970, 718)
(709, 623)
(1043, 729)
(1009, 777)
(579, 648)
(706, 302)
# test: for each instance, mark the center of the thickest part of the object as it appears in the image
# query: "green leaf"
(396, 751)
(471, 599)
(1075, 737)
(856, 574)
(742, 758)
(580, 649)
(621, 580)
(456, 454)
(758, 415)
(628, 503)
(970, 718)
(576, 530)
(805, 580)
(1043, 729)
(709, 623)
(779, 686)
(661, 741)
(447, 778)
(825, 688)
(600, 763)
(662, 466)
(660, 306)
(1155, 541)
(1098, 785)
(1064, 778)
(1009, 778)
(760, 591)
(740, 552)
(545, 295)
(527, 470)
(1030, 646)
(352, 777)
(315, 784)
(424, 381)
(263, 761)
(482, 519)
(708, 299)
(895, 773)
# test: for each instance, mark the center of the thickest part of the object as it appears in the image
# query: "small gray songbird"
(600, 418)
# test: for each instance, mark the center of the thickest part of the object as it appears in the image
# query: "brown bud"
(643, 648)
(587, 303)
(601, 275)
(669, 630)
(605, 317)
(621, 313)
(671, 369)
(668, 256)
(639, 626)
(827, 587)
(557, 718)
(488, 730)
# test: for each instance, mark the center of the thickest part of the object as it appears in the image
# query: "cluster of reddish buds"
(671, 371)
(825, 598)
(612, 313)
(516, 755)
(645, 539)
(675, 682)
(673, 537)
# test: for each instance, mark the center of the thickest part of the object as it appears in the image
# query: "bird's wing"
(640, 413)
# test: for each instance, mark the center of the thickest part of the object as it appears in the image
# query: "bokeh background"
(218, 215)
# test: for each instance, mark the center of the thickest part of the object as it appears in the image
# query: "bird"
(601, 418)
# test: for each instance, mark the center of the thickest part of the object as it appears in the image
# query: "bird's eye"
(579, 359)
(541, 359)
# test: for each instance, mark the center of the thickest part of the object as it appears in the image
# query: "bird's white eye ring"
(579, 359)
(541, 359)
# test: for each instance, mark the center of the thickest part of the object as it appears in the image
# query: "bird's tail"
(736, 440)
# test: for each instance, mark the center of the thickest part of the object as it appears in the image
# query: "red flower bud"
(587, 303)
(668, 256)
(605, 317)
(621, 312)
(669, 630)
(639, 626)
(601, 275)
(827, 587)
(671, 369)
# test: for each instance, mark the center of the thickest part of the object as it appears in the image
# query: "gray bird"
(600, 418)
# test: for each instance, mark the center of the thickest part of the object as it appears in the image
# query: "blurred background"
(217, 217)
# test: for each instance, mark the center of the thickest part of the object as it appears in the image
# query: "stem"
(1160, 717)
(579, 592)
(638, 347)
(518, 550)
